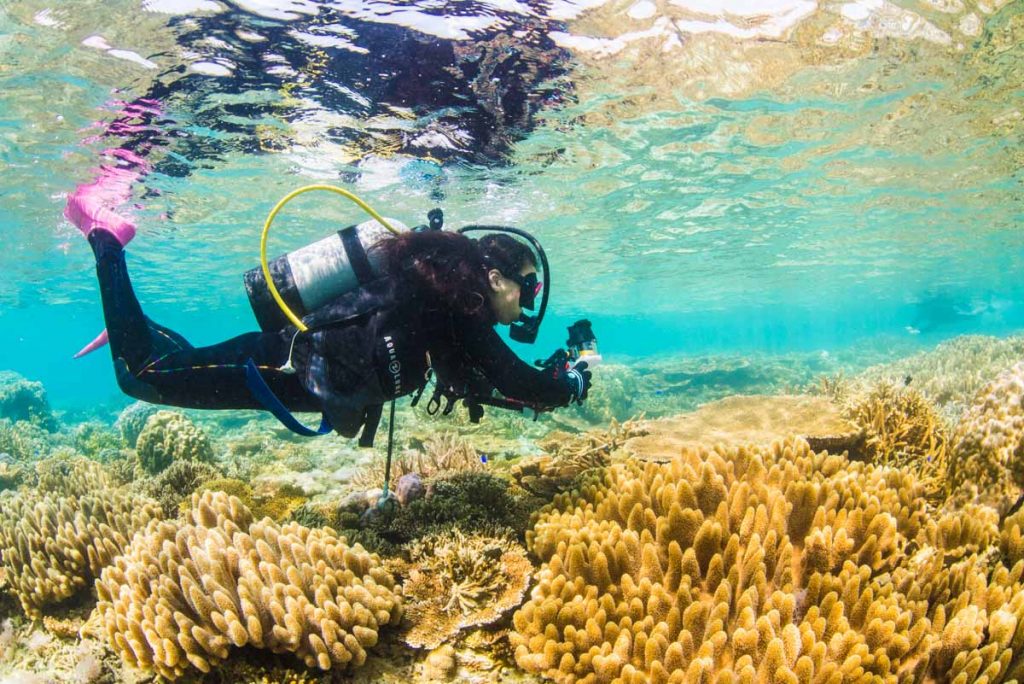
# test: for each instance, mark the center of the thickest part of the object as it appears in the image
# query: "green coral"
(94, 439)
(471, 500)
(176, 484)
(22, 399)
(132, 420)
(15, 443)
(169, 437)
(312, 515)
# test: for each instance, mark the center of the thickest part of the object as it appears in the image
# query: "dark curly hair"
(450, 269)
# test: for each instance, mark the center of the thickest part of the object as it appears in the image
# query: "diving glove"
(577, 379)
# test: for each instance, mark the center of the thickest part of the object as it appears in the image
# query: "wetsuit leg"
(158, 365)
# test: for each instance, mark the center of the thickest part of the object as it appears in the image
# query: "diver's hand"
(577, 380)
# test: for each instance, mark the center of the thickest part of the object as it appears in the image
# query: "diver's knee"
(132, 386)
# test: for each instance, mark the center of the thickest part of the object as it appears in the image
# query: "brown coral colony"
(185, 593)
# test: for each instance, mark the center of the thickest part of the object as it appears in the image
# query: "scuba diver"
(420, 302)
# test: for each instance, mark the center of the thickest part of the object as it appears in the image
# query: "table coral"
(456, 581)
(170, 436)
(987, 453)
(183, 593)
(753, 419)
(766, 565)
(56, 538)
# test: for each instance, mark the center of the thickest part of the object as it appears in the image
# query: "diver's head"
(511, 276)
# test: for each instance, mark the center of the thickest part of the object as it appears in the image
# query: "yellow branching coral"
(456, 581)
(765, 565)
(56, 538)
(987, 456)
(184, 593)
(903, 429)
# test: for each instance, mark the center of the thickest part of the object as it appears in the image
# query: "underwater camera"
(582, 344)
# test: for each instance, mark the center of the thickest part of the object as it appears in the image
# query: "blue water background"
(769, 223)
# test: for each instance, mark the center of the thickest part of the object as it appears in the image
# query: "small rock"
(358, 502)
(409, 488)
(441, 664)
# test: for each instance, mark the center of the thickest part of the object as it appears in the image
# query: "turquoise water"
(705, 179)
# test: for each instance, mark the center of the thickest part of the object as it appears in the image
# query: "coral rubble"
(169, 436)
(183, 593)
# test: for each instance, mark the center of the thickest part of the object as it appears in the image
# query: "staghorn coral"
(903, 429)
(569, 455)
(457, 581)
(951, 374)
(184, 593)
(23, 399)
(56, 538)
(771, 564)
(132, 420)
(168, 437)
(987, 451)
(442, 452)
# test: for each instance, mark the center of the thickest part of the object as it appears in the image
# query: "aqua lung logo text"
(394, 365)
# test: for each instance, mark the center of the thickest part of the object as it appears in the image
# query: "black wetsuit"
(348, 365)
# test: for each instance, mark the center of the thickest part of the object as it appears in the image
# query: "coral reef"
(744, 419)
(568, 455)
(56, 538)
(456, 581)
(132, 420)
(954, 372)
(443, 451)
(19, 440)
(11, 474)
(902, 428)
(170, 436)
(987, 452)
(473, 501)
(95, 440)
(183, 593)
(23, 399)
(176, 483)
(767, 564)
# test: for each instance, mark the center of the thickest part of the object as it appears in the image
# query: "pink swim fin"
(100, 340)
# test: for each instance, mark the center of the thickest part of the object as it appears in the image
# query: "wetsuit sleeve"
(509, 374)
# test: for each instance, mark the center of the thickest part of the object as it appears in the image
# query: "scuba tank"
(312, 276)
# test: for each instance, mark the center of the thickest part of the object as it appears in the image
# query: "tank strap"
(261, 390)
(356, 254)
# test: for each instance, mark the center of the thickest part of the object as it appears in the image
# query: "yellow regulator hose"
(266, 231)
